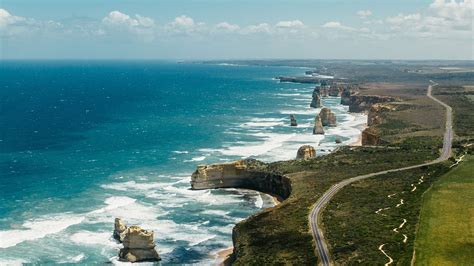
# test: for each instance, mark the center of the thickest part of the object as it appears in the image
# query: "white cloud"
(258, 28)
(8, 19)
(227, 27)
(402, 19)
(185, 25)
(364, 13)
(117, 18)
(453, 10)
(337, 26)
(292, 24)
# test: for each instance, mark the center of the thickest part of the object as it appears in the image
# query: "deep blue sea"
(84, 142)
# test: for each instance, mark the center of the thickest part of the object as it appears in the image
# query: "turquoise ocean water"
(84, 142)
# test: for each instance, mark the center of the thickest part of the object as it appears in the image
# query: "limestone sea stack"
(306, 152)
(328, 118)
(138, 244)
(324, 91)
(318, 126)
(293, 122)
(346, 96)
(334, 91)
(316, 102)
(119, 231)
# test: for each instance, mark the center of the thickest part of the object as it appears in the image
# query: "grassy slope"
(446, 230)
(355, 230)
(282, 234)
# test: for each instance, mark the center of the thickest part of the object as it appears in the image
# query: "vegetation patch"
(382, 210)
(445, 235)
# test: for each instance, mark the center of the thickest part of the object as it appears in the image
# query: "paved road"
(314, 217)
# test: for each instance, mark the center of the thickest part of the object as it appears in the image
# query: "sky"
(233, 29)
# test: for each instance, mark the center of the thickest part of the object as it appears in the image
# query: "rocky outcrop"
(138, 244)
(324, 91)
(328, 118)
(119, 230)
(306, 152)
(376, 111)
(338, 140)
(293, 122)
(334, 91)
(316, 101)
(346, 96)
(318, 126)
(369, 137)
(362, 103)
(248, 173)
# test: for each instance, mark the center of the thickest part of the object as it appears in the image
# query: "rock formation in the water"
(328, 118)
(138, 244)
(324, 91)
(316, 101)
(248, 173)
(361, 103)
(346, 96)
(119, 230)
(306, 152)
(338, 140)
(318, 126)
(293, 122)
(334, 91)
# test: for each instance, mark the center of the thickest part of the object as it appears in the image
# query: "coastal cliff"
(362, 103)
(248, 173)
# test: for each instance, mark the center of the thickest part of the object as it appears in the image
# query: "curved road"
(314, 217)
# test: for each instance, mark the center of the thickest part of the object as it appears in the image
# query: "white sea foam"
(94, 239)
(259, 201)
(196, 159)
(38, 228)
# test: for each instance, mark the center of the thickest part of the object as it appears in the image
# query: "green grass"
(446, 230)
(355, 231)
(281, 234)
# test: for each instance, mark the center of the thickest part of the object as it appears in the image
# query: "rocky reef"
(362, 103)
(248, 173)
(306, 152)
(318, 126)
(316, 101)
(293, 122)
(328, 118)
(138, 244)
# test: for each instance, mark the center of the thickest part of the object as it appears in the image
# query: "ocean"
(84, 142)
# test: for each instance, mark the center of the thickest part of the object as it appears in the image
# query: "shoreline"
(223, 256)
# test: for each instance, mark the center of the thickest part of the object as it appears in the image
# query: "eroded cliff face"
(248, 173)
(362, 103)
(376, 111)
(370, 137)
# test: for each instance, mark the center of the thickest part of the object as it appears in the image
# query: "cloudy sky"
(231, 29)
